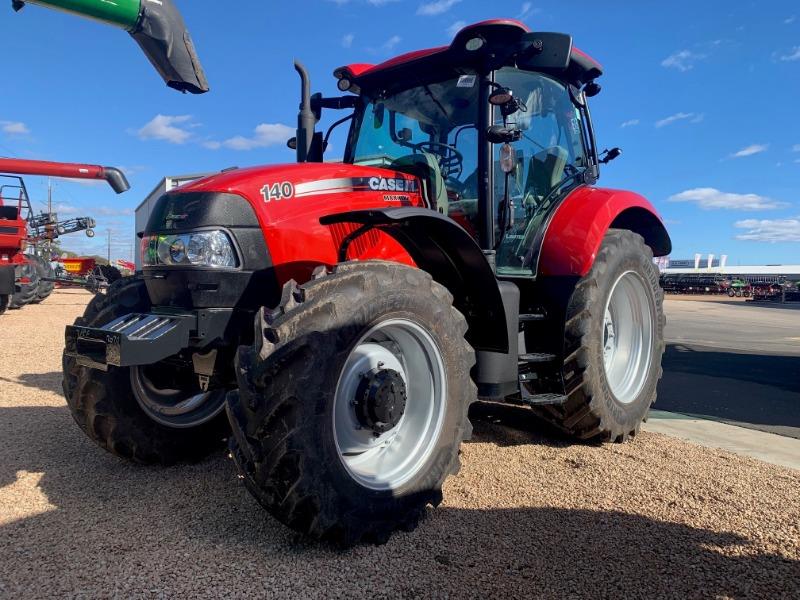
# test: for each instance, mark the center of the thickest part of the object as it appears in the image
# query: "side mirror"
(503, 135)
(606, 156)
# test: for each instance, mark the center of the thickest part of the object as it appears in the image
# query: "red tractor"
(24, 236)
(346, 315)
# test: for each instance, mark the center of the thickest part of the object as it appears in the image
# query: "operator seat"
(426, 168)
(546, 172)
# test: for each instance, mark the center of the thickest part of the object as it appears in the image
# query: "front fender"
(440, 246)
(581, 221)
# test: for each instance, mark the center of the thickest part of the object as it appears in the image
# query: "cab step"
(532, 317)
(537, 357)
(543, 399)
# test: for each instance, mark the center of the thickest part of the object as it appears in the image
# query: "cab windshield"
(428, 130)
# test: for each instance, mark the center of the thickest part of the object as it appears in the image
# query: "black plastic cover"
(497, 373)
(166, 42)
(252, 285)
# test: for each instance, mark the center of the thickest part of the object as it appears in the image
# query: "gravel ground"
(530, 514)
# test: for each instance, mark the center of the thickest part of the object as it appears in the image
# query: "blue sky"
(701, 96)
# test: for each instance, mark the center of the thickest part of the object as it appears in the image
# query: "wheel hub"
(381, 400)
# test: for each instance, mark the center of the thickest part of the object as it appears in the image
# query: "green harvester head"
(157, 27)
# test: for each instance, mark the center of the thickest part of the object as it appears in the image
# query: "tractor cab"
(495, 127)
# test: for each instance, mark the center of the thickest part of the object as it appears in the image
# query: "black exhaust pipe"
(306, 119)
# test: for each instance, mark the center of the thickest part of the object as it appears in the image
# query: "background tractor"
(346, 315)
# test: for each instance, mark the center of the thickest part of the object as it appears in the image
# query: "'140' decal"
(277, 191)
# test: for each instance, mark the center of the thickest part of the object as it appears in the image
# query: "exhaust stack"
(157, 27)
(306, 119)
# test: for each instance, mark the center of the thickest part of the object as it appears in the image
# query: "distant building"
(146, 207)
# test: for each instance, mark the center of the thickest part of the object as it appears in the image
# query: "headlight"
(201, 249)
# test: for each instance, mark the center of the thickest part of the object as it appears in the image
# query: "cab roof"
(498, 33)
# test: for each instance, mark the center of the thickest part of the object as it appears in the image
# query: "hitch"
(143, 339)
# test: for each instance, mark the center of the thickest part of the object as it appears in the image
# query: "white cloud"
(455, 28)
(750, 150)
(790, 20)
(526, 11)
(65, 210)
(630, 123)
(796, 148)
(212, 144)
(682, 60)
(437, 7)
(390, 44)
(14, 128)
(347, 40)
(793, 55)
(681, 116)
(712, 198)
(165, 127)
(266, 134)
(770, 230)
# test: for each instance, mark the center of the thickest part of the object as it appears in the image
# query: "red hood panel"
(287, 191)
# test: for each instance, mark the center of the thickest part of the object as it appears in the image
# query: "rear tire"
(45, 288)
(609, 397)
(104, 406)
(5, 299)
(27, 291)
(304, 448)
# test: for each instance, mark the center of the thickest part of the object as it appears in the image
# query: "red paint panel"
(519, 24)
(577, 229)
(585, 56)
(296, 240)
(52, 169)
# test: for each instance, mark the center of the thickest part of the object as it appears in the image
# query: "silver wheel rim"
(627, 337)
(175, 408)
(388, 460)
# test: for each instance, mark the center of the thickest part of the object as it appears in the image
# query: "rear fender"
(576, 230)
(440, 246)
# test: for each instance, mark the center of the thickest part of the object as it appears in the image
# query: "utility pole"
(109, 245)
(49, 196)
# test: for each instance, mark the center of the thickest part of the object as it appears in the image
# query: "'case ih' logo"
(382, 184)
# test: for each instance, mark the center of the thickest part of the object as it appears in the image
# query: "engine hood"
(287, 191)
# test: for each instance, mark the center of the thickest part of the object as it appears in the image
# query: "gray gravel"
(530, 514)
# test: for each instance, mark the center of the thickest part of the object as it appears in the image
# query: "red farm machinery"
(335, 321)
(26, 273)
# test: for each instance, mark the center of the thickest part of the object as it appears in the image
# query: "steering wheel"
(451, 161)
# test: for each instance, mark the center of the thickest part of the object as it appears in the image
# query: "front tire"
(613, 343)
(105, 405)
(353, 402)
